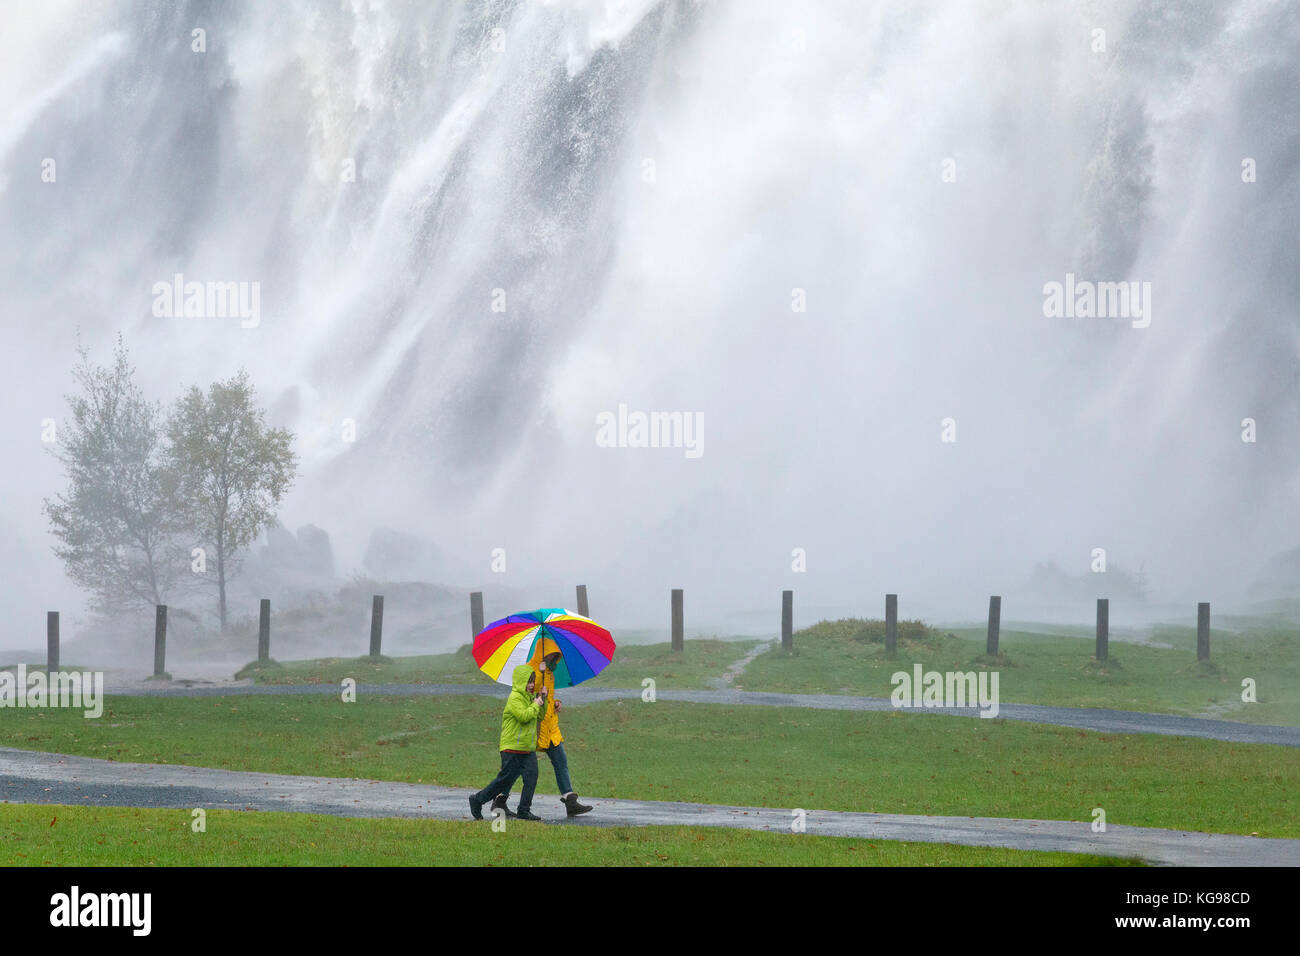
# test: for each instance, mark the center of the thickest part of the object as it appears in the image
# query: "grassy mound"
(259, 669)
(1159, 675)
(868, 631)
(701, 660)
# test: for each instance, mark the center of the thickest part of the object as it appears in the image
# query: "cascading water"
(476, 226)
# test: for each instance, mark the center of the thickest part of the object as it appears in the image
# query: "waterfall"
(477, 225)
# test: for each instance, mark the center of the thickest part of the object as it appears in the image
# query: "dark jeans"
(513, 766)
(561, 764)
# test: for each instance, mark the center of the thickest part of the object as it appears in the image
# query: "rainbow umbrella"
(587, 648)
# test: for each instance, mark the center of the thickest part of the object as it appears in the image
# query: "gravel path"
(34, 777)
(1102, 721)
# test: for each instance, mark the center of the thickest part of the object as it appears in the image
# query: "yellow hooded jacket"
(548, 733)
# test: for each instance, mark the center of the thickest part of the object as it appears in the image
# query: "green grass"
(689, 669)
(115, 836)
(1034, 668)
(455, 668)
(692, 668)
(760, 756)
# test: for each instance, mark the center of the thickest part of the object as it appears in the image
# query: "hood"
(519, 678)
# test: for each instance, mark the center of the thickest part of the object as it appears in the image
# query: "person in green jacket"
(518, 745)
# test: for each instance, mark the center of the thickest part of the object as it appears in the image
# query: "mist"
(822, 231)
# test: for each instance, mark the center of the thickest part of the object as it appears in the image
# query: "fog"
(563, 207)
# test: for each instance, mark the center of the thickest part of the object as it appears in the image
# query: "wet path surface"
(35, 777)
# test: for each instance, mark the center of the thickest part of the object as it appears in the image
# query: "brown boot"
(571, 804)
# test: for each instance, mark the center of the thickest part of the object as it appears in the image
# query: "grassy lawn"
(113, 836)
(688, 670)
(1035, 668)
(456, 668)
(773, 757)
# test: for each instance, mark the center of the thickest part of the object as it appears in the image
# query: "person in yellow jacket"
(549, 739)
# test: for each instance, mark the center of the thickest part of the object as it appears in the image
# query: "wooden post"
(995, 625)
(678, 625)
(160, 640)
(51, 644)
(787, 620)
(891, 623)
(475, 613)
(582, 601)
(1203, 631)
(264, 631)
(1103, 628)
(376, 624)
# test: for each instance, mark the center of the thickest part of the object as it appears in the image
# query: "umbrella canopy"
(585, 646)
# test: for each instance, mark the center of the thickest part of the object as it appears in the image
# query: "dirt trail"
(737, 668)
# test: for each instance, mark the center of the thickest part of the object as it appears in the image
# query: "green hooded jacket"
(519, 719)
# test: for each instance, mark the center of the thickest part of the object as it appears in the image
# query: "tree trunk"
(221, 585)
